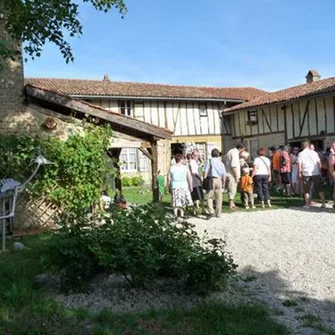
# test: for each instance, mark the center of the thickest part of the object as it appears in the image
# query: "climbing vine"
(79, 170)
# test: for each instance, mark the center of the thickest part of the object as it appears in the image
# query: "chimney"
(312, 76)
(11, 74)
(106, 77)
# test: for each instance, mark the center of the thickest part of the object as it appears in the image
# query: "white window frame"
(203, 110)
(126, 107)
(124, 164)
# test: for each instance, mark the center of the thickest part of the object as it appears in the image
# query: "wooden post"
(154, 170)
(115, 153)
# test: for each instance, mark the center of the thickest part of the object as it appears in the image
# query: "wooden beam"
(266, 120)
(132, 125)
(325, 110)
(146, 153)
(293, 122)
(316, 117)
(285, 123)
(154, 171)
(304, 118)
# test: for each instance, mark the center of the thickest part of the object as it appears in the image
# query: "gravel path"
(286, 259)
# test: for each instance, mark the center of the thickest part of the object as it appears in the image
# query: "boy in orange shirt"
(246, 184)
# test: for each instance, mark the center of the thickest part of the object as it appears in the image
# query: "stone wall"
(11, 76)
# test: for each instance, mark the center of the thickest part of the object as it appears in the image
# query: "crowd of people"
(292, 171)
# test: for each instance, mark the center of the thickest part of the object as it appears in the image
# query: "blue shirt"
(178, 175)
(218, 168)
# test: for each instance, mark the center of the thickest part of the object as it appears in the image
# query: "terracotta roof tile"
(288, 94)
(78, 87)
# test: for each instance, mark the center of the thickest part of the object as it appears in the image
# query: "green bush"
(132, 181)
(142, 243)
(80, 165)
(126, 181)
(137, 181)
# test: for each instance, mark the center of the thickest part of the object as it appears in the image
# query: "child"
(160, 185)
(247, 188)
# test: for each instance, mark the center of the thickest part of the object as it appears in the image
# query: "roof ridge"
(144, 83)
(301, 85)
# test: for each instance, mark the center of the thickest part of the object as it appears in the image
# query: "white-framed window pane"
(128, 159)
(126, 107)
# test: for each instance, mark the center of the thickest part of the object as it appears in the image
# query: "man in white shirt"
(197, 192)
(309, 167)
(233, 168)
(332, 168)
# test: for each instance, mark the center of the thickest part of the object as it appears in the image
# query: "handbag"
(208, 181)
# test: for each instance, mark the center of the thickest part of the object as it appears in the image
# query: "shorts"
(197, 193)
(286, 178)
(307, 183)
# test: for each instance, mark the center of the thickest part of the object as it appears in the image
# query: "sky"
(268, 44)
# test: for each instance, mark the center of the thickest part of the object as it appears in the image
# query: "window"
(203, 110)
(144, 162)
(128, 159)
(202, 148)
(252, 117)
(126, 107)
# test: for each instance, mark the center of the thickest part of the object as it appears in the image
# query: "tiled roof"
(288, 94)
(78, 87)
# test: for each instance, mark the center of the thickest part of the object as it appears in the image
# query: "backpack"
(282, 160)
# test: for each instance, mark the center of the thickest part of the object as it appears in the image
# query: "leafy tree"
(36, 22)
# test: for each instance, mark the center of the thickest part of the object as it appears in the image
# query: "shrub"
(70, 251)
(127, 181)
(137, 181)
(142, 243)
(79, 170)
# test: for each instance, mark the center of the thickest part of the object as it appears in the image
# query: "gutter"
(153, 98)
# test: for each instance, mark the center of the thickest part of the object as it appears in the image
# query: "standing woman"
(296, 189)
(262, 175)
(285, 170)
(181, 185)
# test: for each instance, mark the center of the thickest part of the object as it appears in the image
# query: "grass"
(143, 195)
(26, 310)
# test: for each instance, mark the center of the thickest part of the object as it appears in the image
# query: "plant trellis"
(9, 191)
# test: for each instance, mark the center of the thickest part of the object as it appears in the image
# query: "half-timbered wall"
(277, 124)
(311, 118)
(185, 118)
(270, 119)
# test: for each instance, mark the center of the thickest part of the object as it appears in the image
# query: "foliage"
(26, 310)
(132, 181)
(142, 243)
(126, 181)
(37, 22)
(70, 252)
(79, 170)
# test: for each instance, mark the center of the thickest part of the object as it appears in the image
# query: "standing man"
(216, 169)
(332, 168)
(233, 168)
(309, 169)
(197, 192)
(276, 167)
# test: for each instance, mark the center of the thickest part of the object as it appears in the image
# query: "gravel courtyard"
(286, 259)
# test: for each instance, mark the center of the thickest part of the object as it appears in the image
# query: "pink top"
(287, 167)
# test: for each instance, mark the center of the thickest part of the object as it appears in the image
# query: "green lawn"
(144, 195)
(27, 311)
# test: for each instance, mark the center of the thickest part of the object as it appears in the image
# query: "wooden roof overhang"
(79, 109)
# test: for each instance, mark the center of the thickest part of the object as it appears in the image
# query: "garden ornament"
(9, 191)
